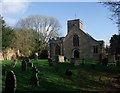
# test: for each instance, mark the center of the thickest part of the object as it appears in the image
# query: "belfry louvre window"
(95, 49)
(75, 40)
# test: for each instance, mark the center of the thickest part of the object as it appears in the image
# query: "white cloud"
(10, 21)
(14, 6)
(11, 9)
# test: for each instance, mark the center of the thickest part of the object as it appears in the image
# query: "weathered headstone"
(61, 59)
(50, 62)
(24, 65)
(34, 77)
(13, 64)
(10, 82)
(30, 64)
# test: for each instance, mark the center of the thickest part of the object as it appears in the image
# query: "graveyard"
(84, 77)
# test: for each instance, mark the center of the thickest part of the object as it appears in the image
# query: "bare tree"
(47, 27)
(114, 7)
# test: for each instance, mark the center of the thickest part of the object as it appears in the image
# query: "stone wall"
(1, 56)
(8, 54)
(85, 47)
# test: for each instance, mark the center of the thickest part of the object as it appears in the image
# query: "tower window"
(75, 40)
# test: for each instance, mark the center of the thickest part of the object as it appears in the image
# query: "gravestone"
(56, 59)
(36, 55)
(27, 59)
(10, 82)
(24, 65)
(118, 63)
(13, 64)
(50, 62)
(30, 64)
(105, 61)
(34, 77)
(83, 61)
(75, 61)
(68, 72)
(65, 58)
(72, 61)
(61, 59)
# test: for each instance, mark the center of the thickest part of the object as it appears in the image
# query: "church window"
(95, 49)
(75, 40)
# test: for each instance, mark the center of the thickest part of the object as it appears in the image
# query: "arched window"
(75, 40)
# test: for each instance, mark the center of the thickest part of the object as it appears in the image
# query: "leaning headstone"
(10, 82)
(24, 65)
(34, 77)
(50, 62)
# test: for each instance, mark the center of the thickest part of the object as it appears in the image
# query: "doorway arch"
(57, 50)
(76, 54)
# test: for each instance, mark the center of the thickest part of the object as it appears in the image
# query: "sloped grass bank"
(52, 78)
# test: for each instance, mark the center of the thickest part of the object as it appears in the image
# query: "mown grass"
(52, 78)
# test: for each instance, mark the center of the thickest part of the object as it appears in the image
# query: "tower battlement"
(74, 23)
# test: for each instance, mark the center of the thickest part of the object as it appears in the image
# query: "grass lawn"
(52, 78)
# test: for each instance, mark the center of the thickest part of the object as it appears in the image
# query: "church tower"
(74, 23)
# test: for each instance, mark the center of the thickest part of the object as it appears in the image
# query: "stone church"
(76, 44)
